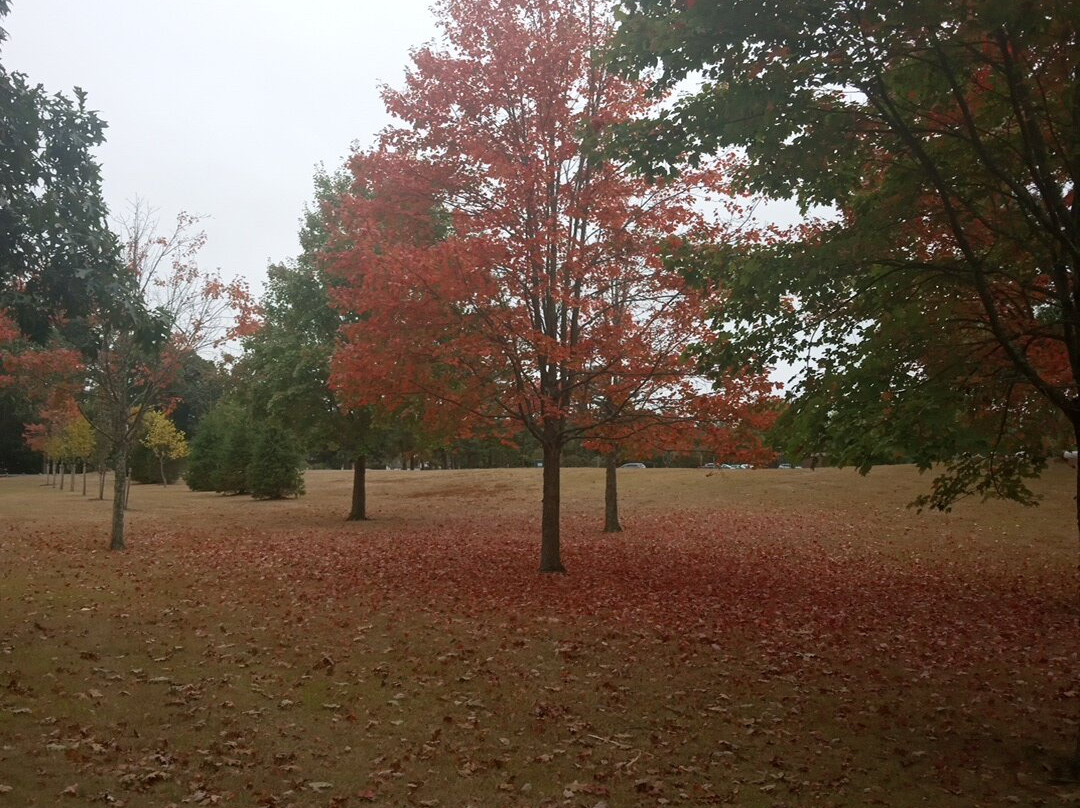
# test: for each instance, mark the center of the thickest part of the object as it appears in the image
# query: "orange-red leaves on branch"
(490, 260)
(45, 375)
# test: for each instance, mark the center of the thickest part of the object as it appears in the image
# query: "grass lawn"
(754, 638)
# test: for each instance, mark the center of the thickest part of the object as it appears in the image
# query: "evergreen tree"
(236, 457)
(208, 451)
(275, 469)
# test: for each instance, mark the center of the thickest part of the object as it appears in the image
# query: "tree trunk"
(161, 464)
(84, 478)
(1075, 419)
(63, 471)
(101, 481)
(120, 481)
(358, 513)
(550, 560)
(611, 494)
(71, 485)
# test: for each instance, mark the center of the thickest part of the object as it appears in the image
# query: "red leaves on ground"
(687, 577)
(716, 653)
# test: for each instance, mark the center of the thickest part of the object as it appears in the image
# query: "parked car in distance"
(632, 466)
(709, 466)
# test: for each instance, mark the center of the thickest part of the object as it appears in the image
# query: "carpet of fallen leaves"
(765, 638)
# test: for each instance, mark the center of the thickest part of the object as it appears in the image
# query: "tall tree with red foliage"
(547, 283)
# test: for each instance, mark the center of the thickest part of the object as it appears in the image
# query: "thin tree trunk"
(84, 477)
(101, 481)
(358, 512)
(161, 463)
(550, 559)
(1075, 418)
(71, 485)
(120, 487)
(63, 470)
(611, 493)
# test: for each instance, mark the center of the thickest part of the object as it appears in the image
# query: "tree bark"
(63, 471)
(611, 493)
(550, 560)
(161, 463)
(1075, 418)
(84, 478)
(101, 481)
(358, 512)
(119, 501)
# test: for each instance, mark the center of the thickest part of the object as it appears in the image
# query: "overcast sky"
(222, 108)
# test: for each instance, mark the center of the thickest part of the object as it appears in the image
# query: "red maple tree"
(542, 285)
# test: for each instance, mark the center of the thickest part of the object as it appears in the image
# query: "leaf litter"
(723, 655)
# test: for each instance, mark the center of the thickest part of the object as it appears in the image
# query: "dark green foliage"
(198, 387)
(15, 455)
(236, 458)
(936, 308)
(210, 447)
(205, 459)
(57, 254)
(146, 466)
(275, 470)
(1000, 476)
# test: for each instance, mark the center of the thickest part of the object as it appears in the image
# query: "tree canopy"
(936, 302)
(57, 253)
(546, 293)
(285, 369)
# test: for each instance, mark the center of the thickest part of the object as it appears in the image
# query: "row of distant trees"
(72, 443)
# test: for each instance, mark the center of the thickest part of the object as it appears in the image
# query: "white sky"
(222, 108)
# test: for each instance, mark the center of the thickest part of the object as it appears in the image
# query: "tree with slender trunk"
(164, 440)
(135, 347)
(505, 318)
(611, 492)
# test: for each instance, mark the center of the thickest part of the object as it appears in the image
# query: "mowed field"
(753, 638)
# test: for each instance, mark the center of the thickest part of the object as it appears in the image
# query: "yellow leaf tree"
(78, 444)
(164, 440)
